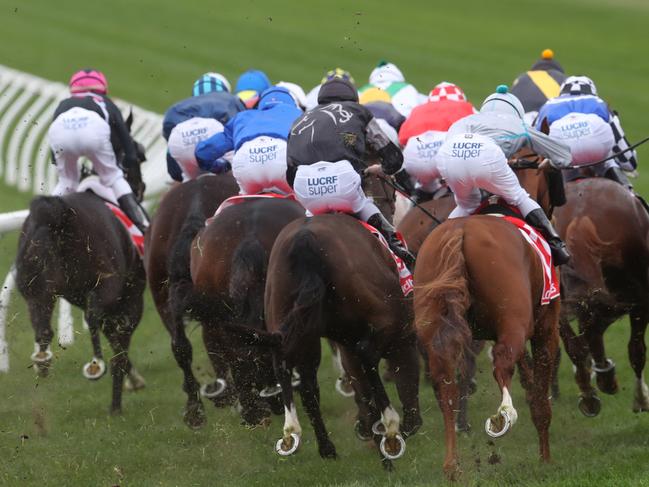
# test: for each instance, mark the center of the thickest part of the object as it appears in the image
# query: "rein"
(529, 164)
(403, 193)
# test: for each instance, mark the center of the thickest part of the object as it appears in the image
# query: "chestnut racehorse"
(166, 261)
(329, 277)
(606, 229)
(478, 278)
(228, 265)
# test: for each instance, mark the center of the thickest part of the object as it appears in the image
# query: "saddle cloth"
(542, 249)
(405, 277)
(92, 184)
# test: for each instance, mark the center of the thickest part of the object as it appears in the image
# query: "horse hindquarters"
(441, 302)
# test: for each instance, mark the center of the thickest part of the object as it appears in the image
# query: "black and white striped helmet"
(578, 85)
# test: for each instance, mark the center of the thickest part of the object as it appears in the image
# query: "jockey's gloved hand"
(173, 168)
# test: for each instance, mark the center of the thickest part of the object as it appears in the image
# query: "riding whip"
(405, 195)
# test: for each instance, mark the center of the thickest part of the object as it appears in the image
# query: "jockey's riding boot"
(539, 220)
(379, 222)
(616, 174)
(130, 206)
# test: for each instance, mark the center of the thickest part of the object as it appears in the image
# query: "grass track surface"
(57, 431)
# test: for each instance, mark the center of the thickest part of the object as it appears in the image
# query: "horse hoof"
(392, 448)
(498, 425)
(287, 446)
(95, 369)
(194, 417)
(296, 380)
(214, 390)
(462, 427)
(116, 411)
(328, 451)
(270, 391)
(344, 388)
(360, 434)
(590, 406)
(411, 424)
(378, 428)
(606, 381)
(42, 357)
(134, 382)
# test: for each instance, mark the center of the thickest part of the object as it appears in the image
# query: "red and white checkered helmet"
(446, 91)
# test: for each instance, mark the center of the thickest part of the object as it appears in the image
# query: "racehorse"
(460, 295)
(166, 259)
(607, 231)
(329, 277)
(74, 247)
(228, 265)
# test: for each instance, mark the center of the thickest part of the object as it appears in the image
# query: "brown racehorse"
(229, 258)
(461, 295)
(166, 261)
(607, 231)
(329, 277)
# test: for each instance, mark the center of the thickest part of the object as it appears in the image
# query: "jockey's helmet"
(503, 102)
(337, 89)
(275, 95)
(385, 73)
(578, 85)
(88, 80)
(296, 92)
(337, 73)
(446, 91)
(210, 83)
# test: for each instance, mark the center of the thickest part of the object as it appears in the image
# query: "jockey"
(579, 118)
(538, 85)
(89, 124)
(328, 148)
(258, 138)
(475, 153)
(296, 92)
(250, 85)
(312, 96)
(387, 83)
(424, 131)
(197, 118)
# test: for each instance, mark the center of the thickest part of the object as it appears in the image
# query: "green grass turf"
(57, 432)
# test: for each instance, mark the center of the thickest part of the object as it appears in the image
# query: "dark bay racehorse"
(229, 258)
(75, 248)
(607, 231)
(416, 225)
(167, 253)
(477, 278)
(329, 277)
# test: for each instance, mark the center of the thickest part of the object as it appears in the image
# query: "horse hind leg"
(40, 314)
(292, 432)
(310, 394)
(467, 385)
(404, 363)
(604, 367)
(639, 316)
(362, 392)
(96, 368)
(118, 332)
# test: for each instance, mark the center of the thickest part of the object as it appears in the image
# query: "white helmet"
(386, 73)
(578, 85)
(296, 92)
(503, 102)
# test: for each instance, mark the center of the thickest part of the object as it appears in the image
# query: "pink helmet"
(446, 91)
(88, 80)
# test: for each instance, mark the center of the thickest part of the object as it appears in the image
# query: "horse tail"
(247, 280)
(443, 326)
(589, 251)
(178, 261)
(309, 291)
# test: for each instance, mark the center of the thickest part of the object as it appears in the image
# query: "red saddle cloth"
(235, 200)
(405, 276)
(136, 235)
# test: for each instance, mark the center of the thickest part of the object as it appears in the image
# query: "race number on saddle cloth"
(183, 140)
(258, 138)
(211, 102)
(405, 276)
(387, 83)
(424, 131)
(93, 184)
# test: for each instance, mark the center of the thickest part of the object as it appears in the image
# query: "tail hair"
(310, 289)
(447, 299)
(247, 280)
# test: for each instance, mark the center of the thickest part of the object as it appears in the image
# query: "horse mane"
(446, 299)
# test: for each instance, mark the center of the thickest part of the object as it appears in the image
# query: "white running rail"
(27, 103)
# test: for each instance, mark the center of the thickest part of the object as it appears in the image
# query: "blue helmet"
(210, 83)
(253, 80)
(275, 95)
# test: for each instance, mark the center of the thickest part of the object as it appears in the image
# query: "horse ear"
(129, 119)
(545, 126)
